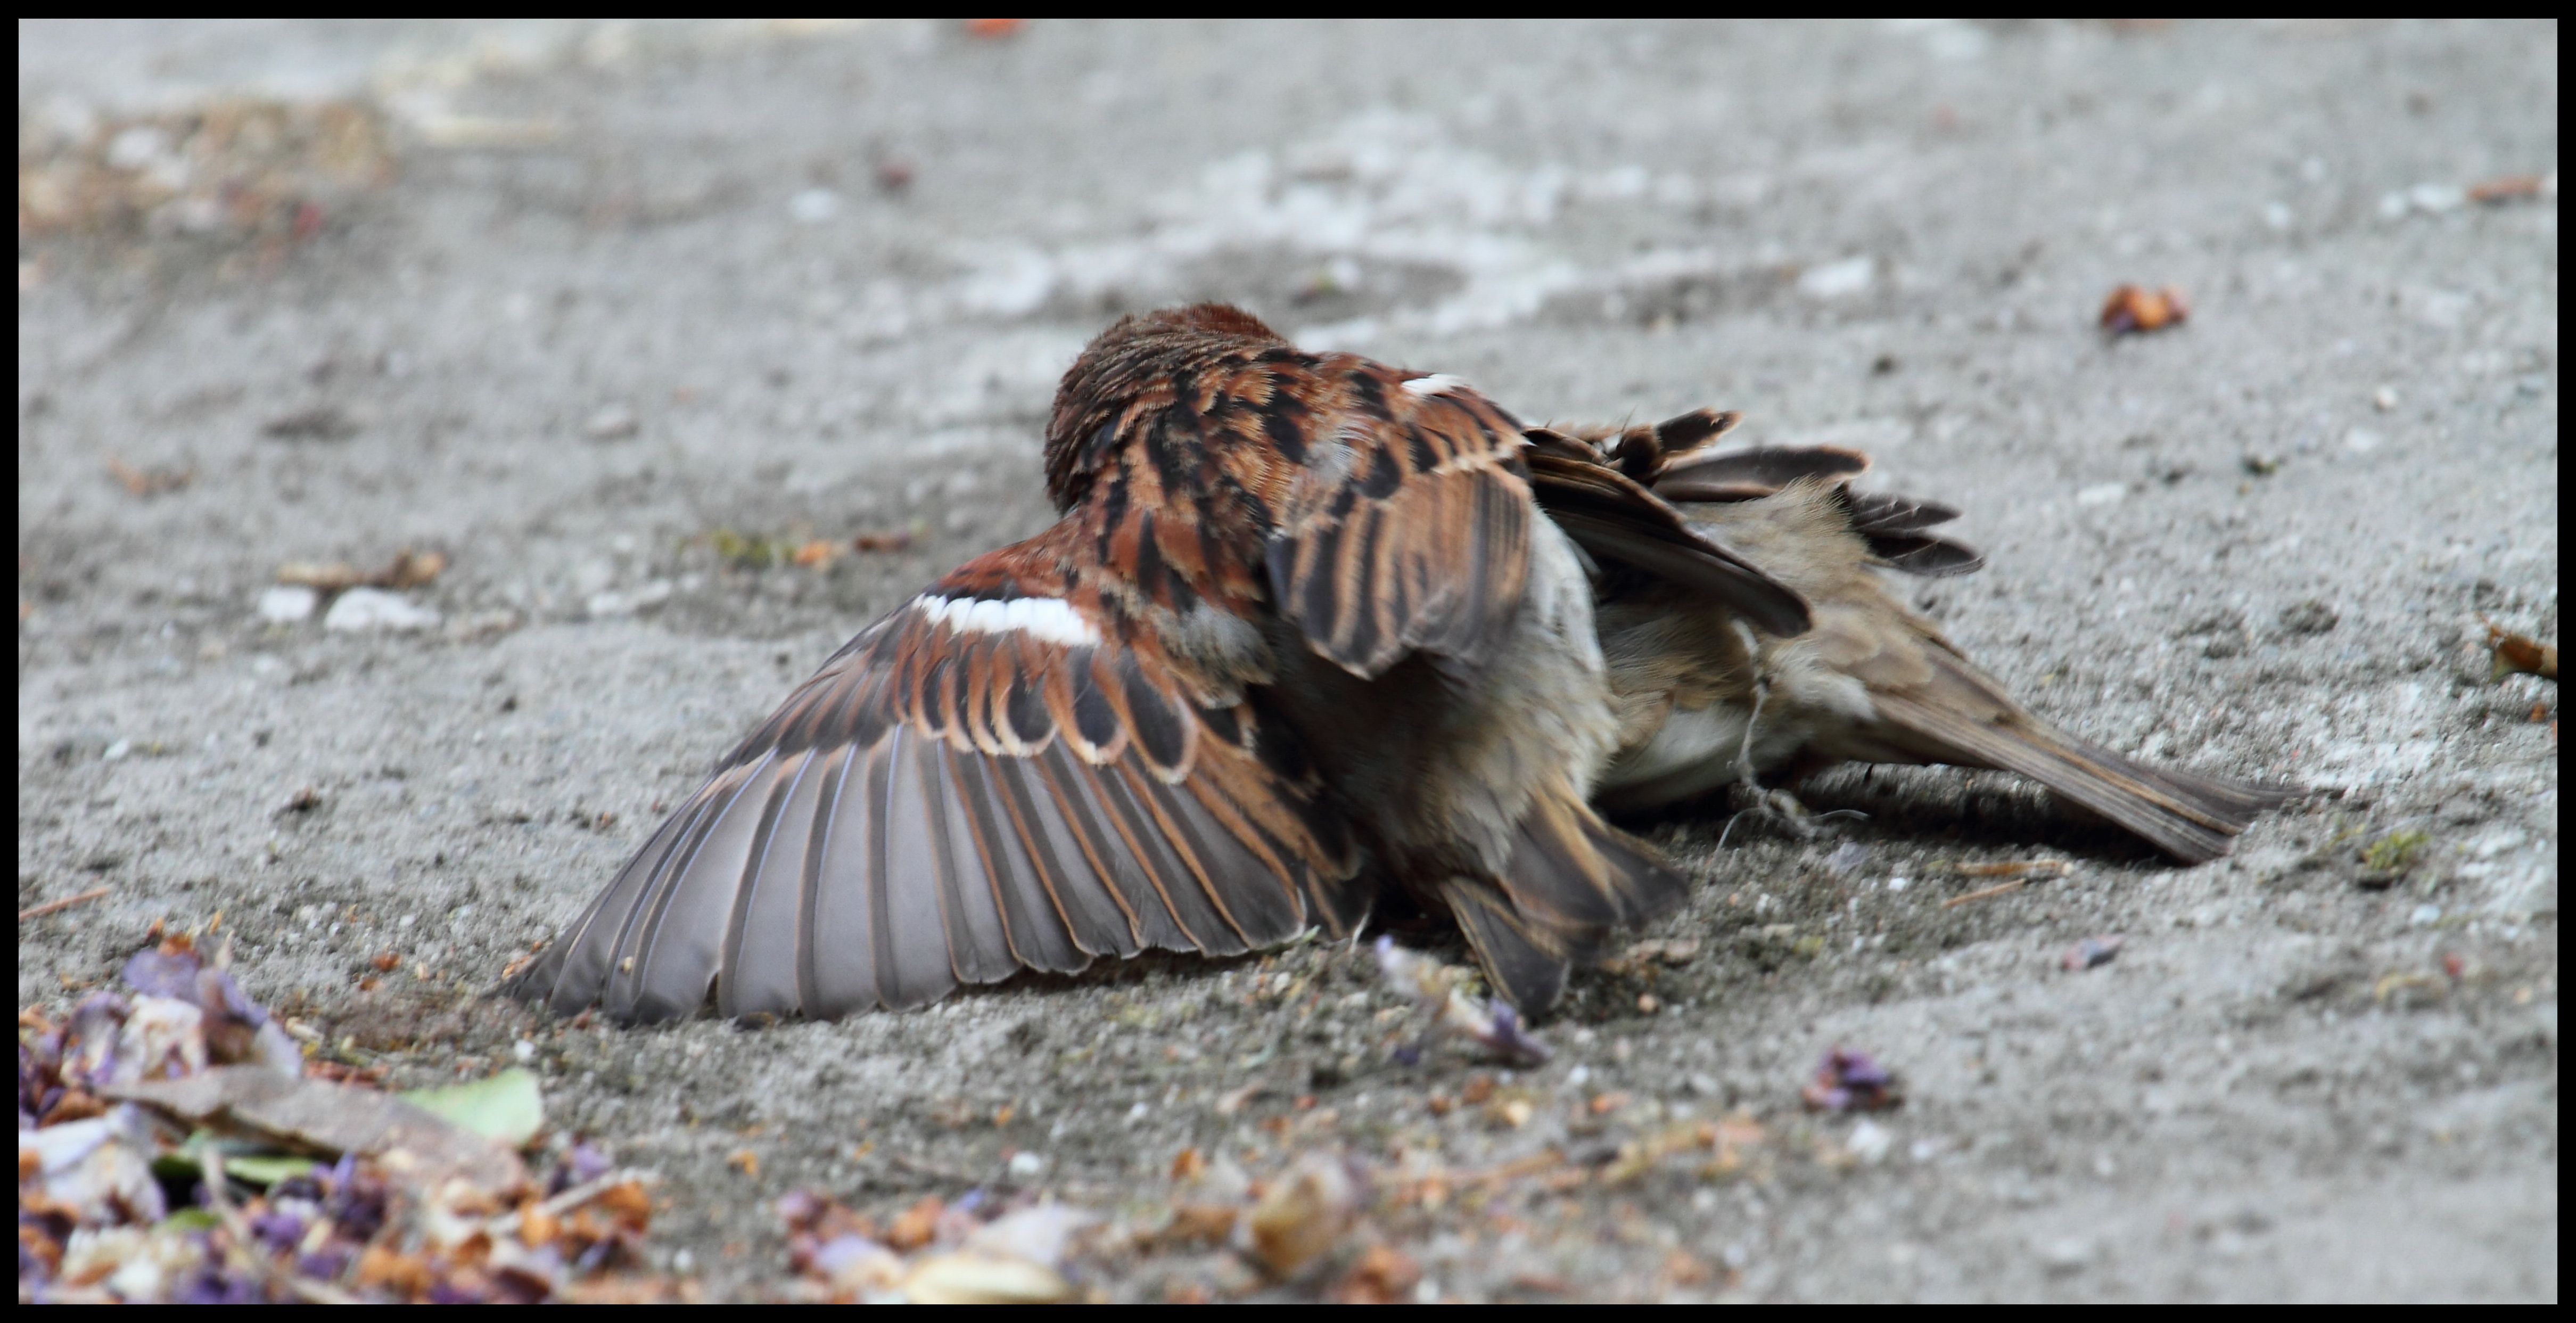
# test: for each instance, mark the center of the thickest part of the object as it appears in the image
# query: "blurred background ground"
(635, 328)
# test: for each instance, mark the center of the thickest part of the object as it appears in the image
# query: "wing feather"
(1032, 930)
(677, 948)
(768, 907)
(827, 919)
(1411, 531)
(956, 796)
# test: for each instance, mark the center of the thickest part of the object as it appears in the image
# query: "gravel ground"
(624, 313)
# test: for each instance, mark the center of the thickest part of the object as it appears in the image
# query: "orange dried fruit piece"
(2136, 310)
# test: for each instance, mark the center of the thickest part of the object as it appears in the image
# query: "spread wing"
(1410, 527)
(1005, 773)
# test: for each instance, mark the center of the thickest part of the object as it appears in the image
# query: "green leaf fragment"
(267, 1169)
(505, 1108)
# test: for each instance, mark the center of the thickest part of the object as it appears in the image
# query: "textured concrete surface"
(638, 297)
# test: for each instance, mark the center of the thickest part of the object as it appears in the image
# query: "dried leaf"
(148, 482)
(317, 1116)
(2506, 188)
(408, 569)
(983, 1279)
(1303, 1215)
(2517, 654)
(1384, 1275)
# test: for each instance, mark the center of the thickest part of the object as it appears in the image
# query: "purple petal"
(156, 975)
(325, 1264)
(217, 989)
(798, 1207)
(1858, 1069)
(588, 1164)
(280, 1230)
(842, 1251)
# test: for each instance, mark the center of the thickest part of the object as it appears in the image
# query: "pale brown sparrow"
(1708, 698)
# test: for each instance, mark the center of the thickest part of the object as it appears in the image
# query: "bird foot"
(1781, 811)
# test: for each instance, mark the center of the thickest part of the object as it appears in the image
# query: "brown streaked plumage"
(1704, 702)
(1298, 635)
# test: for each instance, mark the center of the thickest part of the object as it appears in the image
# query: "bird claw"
(1782, 811)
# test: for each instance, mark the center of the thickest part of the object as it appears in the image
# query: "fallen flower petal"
(2090, 952)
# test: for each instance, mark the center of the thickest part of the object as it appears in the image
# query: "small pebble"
(1026, 1165)
(2066, 1255)
(814, 206)
(2090, 952)
(642, 597)
(613, 422)
(2437, 198)
(286, 604)
(374, 608)
(1833, 280)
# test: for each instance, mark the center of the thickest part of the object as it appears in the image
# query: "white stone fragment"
(1836, 280)
(286, 604)
(643, 597)
(374, 608)
(814, 206)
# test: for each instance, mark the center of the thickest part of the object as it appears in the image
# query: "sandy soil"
(640, 303)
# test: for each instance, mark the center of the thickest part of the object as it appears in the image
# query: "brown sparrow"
(1707, 698)
(1299, 635)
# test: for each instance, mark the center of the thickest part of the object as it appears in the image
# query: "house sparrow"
(1299, 635)
(1706, 699)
